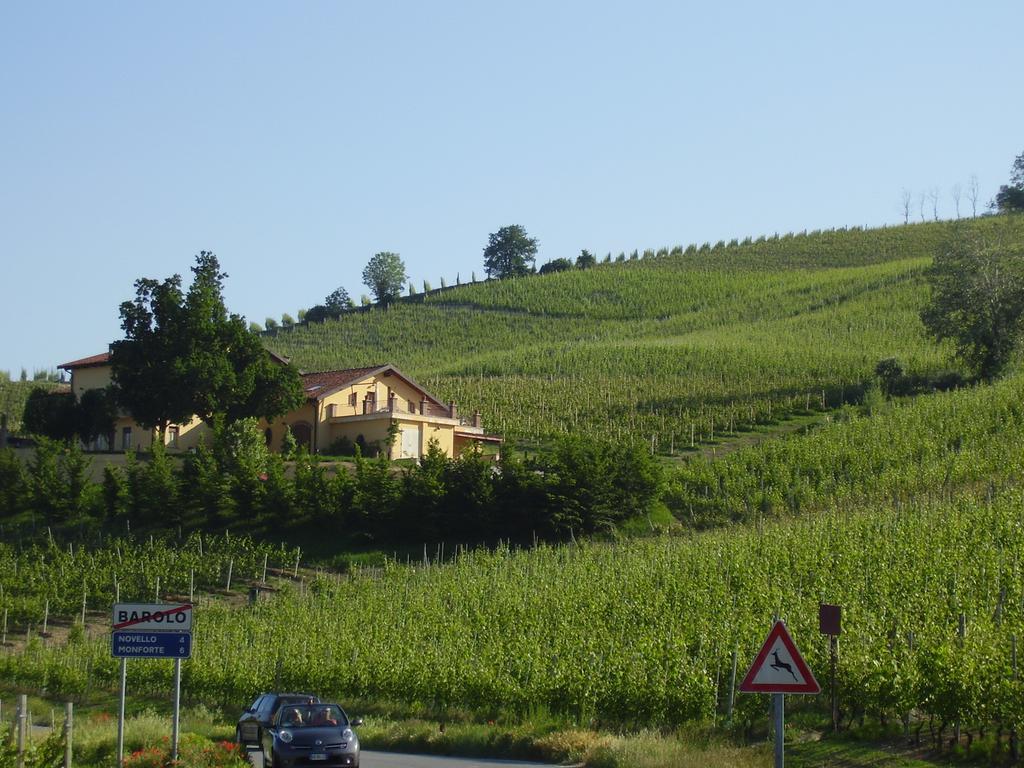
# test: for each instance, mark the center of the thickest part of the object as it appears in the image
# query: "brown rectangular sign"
(829, 619)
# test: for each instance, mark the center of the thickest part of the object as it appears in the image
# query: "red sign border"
(810, 684)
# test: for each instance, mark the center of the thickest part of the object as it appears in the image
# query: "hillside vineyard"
(663, 350)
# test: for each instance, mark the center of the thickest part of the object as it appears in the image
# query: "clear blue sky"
(297, 139)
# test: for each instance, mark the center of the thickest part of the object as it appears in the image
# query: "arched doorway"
(302, 431)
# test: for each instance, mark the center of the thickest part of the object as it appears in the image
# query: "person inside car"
(292, 718)
(323, 718)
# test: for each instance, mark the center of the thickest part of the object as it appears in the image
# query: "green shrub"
(343, 446)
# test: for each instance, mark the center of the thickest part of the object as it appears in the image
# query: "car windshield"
(312, 716)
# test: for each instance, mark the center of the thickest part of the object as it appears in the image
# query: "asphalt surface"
(398, 760)
(370, 759)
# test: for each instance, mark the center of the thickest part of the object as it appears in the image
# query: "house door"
(303, 434)
(410, 443)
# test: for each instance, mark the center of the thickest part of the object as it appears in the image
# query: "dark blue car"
(304, 735)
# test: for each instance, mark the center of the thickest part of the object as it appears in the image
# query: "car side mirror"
(357, 722)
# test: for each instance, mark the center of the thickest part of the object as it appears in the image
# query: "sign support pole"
(834, 660)
(120, 714)
(177, 709)
(779, 707)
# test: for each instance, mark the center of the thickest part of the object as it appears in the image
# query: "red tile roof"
(86, 362)
(315, 384)
(104, 358)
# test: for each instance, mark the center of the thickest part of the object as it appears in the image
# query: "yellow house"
(94, 373)
(367, 405)
(376, 406)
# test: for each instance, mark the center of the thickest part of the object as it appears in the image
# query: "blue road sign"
(134, 644)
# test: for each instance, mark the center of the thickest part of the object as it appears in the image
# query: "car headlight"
(285, 736)
(347, 734)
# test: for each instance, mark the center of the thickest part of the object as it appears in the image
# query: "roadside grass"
(848, 752)
(540, 737)
(204, 741)
(645, 749)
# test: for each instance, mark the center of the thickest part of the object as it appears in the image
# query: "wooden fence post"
(1014, 740)
(962, 633)
(69, 717)
(22, 717)
(732, 685)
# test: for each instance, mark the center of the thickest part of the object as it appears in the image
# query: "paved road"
(399, 760)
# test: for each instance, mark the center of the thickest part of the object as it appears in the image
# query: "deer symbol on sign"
(780, 665)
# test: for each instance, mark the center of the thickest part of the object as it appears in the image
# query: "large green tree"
(339, 301)
(385, 276)
(977, 298)
(510, 252)
(184, 354)
(50, 414)
(1010, 197)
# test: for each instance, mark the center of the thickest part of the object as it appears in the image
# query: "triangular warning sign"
(779, 667)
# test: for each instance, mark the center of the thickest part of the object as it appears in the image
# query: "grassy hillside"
(662, 348)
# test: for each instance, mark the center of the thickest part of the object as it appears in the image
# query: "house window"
(126, 439)
(412, 407)
(352, 399)
(172, 437)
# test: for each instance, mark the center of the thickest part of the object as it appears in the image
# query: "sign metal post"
(830, 623)
(120, 714)
(779, 712)
(177, 709)
(151, 631)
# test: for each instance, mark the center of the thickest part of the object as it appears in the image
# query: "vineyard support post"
(120, 714)
(1014, 741)
(732, 685)
(778, 707)
(22, 717)
(962, 633)
(177, 709)
(69, 718)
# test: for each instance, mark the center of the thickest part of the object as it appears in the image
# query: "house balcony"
(464, 431)
(426, 413)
